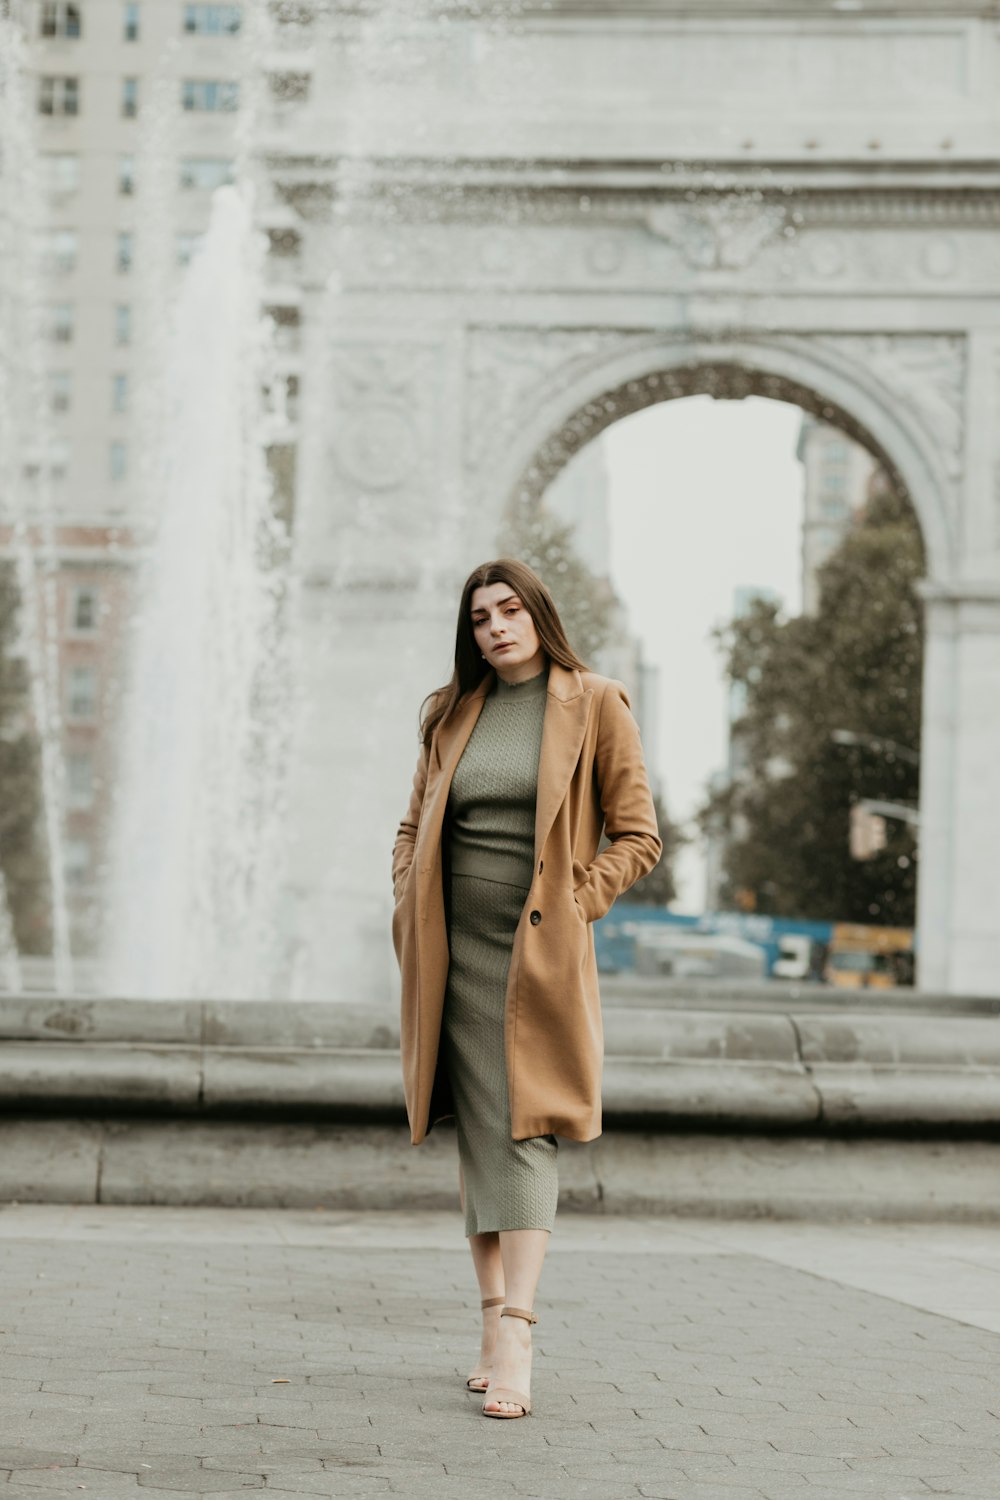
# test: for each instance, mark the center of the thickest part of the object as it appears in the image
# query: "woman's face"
(505, 632)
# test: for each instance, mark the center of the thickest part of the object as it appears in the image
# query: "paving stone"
(730, 1377)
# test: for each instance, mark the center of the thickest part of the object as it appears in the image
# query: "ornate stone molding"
(509, 370)
(721, 233)
(925, 373)
(379, 397)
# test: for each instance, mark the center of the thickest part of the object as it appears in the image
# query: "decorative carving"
(826, 254)
(606, 254)
(382, 404)
(720, 233)
(509, 370)
(925, 372)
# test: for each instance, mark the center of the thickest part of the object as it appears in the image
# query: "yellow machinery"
(861, 957)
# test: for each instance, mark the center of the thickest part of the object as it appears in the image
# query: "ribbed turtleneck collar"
(527, 689)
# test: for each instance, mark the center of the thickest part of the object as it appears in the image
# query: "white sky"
(705, 496)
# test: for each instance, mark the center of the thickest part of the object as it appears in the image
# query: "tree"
(856, 665)
(22, 858)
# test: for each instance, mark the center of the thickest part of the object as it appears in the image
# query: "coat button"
(535, 918)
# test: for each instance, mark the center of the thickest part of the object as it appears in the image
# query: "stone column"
(958, 919)
(378, 564)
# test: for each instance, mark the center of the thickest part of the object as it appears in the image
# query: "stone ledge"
(842, 1071)
(354, 1168)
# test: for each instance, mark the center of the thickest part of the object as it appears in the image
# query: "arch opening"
(725, 382)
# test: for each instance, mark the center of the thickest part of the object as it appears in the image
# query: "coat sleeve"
(406, 835)
(627, 804)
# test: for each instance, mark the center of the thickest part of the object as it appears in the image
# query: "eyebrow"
(480, 609)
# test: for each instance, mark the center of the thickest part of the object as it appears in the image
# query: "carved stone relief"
(670, 246)
(724, 233)
(380, 404)
(926, 373)
(384, 427)
(510, 369)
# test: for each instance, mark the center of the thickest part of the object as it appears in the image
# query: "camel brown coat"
(591, 775)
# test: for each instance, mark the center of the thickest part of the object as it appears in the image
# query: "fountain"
(195, 860)
(26, 483)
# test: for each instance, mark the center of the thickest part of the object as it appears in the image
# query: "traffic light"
(867, 832)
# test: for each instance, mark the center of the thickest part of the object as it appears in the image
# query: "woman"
(525, 757)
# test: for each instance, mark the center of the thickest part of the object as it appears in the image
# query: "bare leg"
(489, 1274)
(522, 1252)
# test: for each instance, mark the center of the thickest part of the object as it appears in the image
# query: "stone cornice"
(481, 195)
(703, 10)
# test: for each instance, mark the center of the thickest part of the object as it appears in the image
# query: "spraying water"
(195, 856)
(26, 448)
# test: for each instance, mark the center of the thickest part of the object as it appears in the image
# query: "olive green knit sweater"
(491, 803)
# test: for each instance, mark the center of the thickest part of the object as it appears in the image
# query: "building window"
(83, 619)
(126, 174)
(123, 252)
(284, 244)
(60, 390)
(58, 95)
(119, 460)
(291, 398)
(119, 393)
(81, 696)
(205, 173)
(123, 323)
(76, 861)
(58, 461)
(289, 88)
(59, 322)
(287, 327)
(188, 246)
(58, 250)
(210, 95)
(212, 20)
(61, 171)
(80, 779)
(130, 23)
(60, 18)
(130, 97)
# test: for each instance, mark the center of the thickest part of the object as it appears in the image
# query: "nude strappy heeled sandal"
(482, 1374)
(502, 1393)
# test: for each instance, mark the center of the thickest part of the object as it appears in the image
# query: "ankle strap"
(491, 1302)
(519, 1312)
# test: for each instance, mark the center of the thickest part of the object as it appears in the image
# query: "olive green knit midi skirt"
(508, 1184)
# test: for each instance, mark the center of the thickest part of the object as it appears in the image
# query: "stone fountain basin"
(719, 1059)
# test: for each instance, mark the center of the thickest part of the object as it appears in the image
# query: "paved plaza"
(192, 1352)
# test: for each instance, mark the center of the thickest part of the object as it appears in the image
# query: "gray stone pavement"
(190, 1352)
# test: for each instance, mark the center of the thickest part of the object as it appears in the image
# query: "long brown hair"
(469, 666)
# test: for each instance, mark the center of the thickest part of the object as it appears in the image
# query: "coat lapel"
(449, 743)
(567, 710)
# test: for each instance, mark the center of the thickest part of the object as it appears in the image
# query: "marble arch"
(579, 404)
(498, 235)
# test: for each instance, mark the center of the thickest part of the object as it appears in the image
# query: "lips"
(505, 646)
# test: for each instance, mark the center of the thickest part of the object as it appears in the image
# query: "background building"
(579, 494)
(837, 474)
(134, 111)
